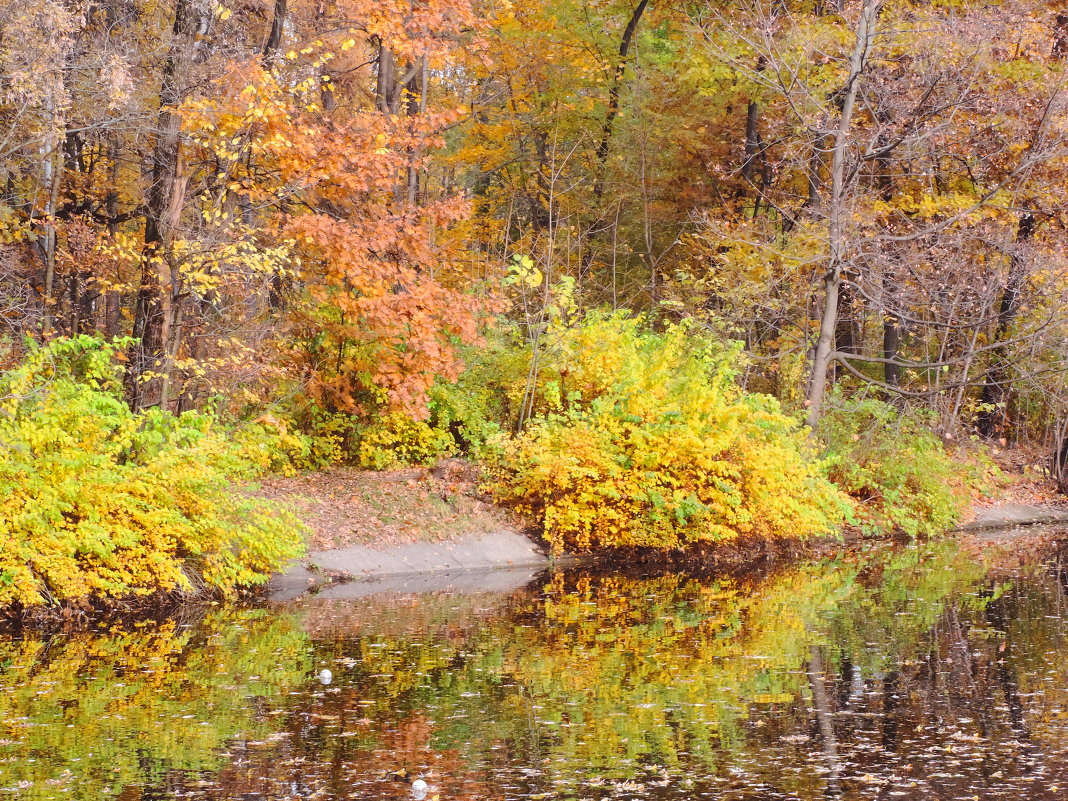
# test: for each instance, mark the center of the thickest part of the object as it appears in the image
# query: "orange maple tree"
(330, 172)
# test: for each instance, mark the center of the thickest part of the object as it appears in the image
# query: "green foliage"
(115, 708)
(278, 446)
(892, 465)
(653, 444)
(485, 399)
(468, 414)
(99, 501)
(396, 439)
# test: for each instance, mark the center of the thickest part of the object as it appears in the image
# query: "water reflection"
(914, 674)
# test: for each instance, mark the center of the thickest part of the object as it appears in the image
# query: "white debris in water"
(325, 676)
(419, 789)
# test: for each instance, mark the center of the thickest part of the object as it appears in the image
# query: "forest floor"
(1022, 480)
(347, 506)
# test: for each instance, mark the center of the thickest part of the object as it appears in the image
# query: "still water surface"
(908, 674)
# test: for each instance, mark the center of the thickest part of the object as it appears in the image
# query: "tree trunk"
(613, 94)
(836, 257)
(112, 297)
(1060, 36)
(416, 90)
(52, 177)
(405, 91)
(891, 348)
(884, 179)
(1059, 462)
(995, 394)
(846, 335)
(145, 378)
(755, 166)
(274, 39)
(386, 94)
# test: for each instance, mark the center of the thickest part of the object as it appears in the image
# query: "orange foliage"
(375, 323)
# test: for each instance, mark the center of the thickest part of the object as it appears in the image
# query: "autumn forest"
(666, 271)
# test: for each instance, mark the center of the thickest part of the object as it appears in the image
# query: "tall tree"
(149, 367)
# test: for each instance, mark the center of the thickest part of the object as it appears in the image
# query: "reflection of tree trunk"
(993, 415)
(890, 705)
(845, 682)
(1009, 687)
(824, 709)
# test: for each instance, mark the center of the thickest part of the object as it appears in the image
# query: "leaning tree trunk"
(614, 92)
(836, 257)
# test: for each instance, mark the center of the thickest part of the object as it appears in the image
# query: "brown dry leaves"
(346, 506)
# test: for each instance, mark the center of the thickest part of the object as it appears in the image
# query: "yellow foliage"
(396, 439)
(99, 501)
(657, 446)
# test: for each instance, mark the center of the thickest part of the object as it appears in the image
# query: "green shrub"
(891, 463)
(395, 440)
(97, 501)
(655, 445)
(276, 446)
(484, 400)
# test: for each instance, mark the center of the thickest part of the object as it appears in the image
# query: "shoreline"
(419, 530)
(470, 560)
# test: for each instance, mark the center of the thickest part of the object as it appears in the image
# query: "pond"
(915, 673)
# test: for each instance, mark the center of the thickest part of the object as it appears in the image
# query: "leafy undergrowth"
(894, 467)
(100, 502)
(652, 443)
(347, 506)
(904, 478)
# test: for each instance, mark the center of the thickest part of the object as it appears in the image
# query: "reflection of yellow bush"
(655, 445)
(667, 669)
(90, 714)
(99, 501)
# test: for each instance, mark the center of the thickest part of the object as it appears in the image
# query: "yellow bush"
(97, 501)
(273, 444)
(657, 446)
(396, 439)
